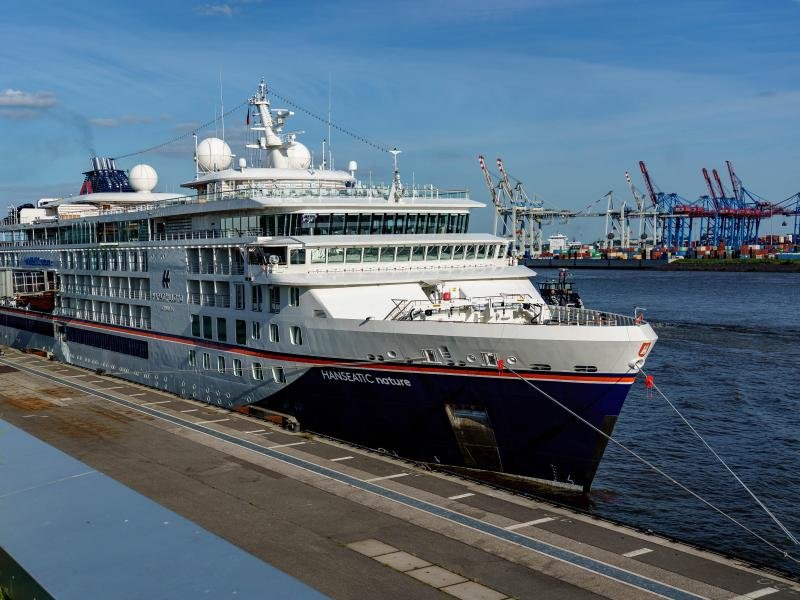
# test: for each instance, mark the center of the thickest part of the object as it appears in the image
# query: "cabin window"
(470, 255)
(238, 289)
(335, 255)
(237, 367)
(318, 255)
(295, 335)
(411, 224)
(206, 360)
(353, 255)
(388, 224)
(430, 356)
(399, 223)
(458, 253)
(192, 358)
(585, 369)
(258, 372)
(294, 296)
(432, 253)
(221, 364)
(208, 332)
(241, 331)
(297, 256)
(274, 333)
(351, 224)
(256, 330)
(422, 220)
(377, 224)
(446, 253)
(387, 254)
(222, 329)
(337, 224)
(257, 298)
(481, 254)
(274, 299)
(196, 325)
(371, 254)
(418, 253)
(322, 225)
(403, 253)
(278, 375)
(364, 222)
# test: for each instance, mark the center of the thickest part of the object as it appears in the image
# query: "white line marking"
(212, 421)
(529, 523)
(116, 387)
(460, 496)
(638, 552)
(395, 476)
(142, 394)
(191, 410)
(81, 375)
(342, 458)
(96, 381)
(256, 431)
(757, 594)
(159, 402)
(285, 445)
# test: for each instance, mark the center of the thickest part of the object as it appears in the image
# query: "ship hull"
(497, 422)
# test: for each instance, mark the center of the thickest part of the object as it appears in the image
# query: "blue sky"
(571, 93)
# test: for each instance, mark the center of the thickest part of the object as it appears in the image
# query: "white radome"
(298, 155)
(143, 178)
(213, 154)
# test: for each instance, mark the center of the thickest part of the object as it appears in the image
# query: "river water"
(728, 358)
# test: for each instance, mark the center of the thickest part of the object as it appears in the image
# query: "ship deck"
(344, 521)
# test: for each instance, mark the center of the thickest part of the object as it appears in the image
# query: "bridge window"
(377, 224)
(353, 255)
(446, 253)
(297, 256)
(371, 254)
(318, 255)
(403, 253)
(335, 255)
(387, 254)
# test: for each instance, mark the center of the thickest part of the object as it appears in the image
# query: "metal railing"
(216, 300)
(88, 290)
(218, 269)
(529, 309)
(101, 317)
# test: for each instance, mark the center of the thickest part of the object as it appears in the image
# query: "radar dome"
(213, 154)
(298, 155)
(143, 178)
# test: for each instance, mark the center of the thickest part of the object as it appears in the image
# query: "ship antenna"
(221, 105)
(330, 144)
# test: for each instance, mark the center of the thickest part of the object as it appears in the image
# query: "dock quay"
(291, 514)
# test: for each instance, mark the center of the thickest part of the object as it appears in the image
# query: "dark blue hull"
(483, 422)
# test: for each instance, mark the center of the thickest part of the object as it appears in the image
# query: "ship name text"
(167, 297)
(363, 378)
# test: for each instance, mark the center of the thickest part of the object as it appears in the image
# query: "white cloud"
(125, 120)
(216, 10)
(19, 99)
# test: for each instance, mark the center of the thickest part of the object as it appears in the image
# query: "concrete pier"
(342, 521)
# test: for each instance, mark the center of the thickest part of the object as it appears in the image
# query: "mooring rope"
(661, 472)
(725, 464)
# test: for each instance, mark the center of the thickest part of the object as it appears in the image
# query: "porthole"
(471, 358)
(391, 354)
(380, 357)
(512, 360)
(371, 356)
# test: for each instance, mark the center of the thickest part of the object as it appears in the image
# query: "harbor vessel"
(368, 313)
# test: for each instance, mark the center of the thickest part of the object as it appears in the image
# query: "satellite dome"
(143, 178)
(213, 154)
(298, 155)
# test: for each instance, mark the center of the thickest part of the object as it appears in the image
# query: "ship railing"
(215, 300)
(102, 317)
(218, 269)
(108, 292)
(525, 307)
(207, 234)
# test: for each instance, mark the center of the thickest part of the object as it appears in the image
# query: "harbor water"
(728, 358)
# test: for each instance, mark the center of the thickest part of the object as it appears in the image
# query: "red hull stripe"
(321, 361)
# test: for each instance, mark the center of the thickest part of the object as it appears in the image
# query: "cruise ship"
(367, 313)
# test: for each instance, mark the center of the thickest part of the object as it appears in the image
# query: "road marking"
(638, 552)
(191, 410)
(211, 421)
(116, 387)
(460, 496)
(340, 458)
(80, 375)
(286, 445)
(256, 431)
(159, 402)
(757, 594)
(529, 523)
(395, 476)
(570, 557)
